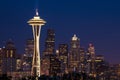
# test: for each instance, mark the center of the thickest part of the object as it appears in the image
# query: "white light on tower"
(36, 22)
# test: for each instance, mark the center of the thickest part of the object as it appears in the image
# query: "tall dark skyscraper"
(74, 54)
(28, 55)
(9, 58)
(49, 42)
(48, 51)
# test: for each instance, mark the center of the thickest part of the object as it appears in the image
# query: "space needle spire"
(36, 22)
(37, 12)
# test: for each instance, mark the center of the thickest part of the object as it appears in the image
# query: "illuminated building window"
(11, 53)
(7, 53)
(0, 61)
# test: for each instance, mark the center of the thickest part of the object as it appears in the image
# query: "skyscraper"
(82, 60)
(49, 42)
(91, 60)
(28, 55)
(45, 63)
(19, 62)
(9, 58)
(48, 51)
(101, 67)
(74, 54)
(63, 57)
(36, 22)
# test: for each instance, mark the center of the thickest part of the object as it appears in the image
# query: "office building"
(74, 54)
(49, 42)
(91, 61)
(63, 57)
(28, 55)
(9, 58)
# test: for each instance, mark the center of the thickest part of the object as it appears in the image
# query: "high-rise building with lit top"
(74, 54)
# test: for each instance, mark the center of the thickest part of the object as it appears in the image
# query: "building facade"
(82, 65)
(48, 51)
(63, 57)
(28, 55)
(55, 65)
(91, 61)
(49, 42)
(1, 61)
(74, 54)
(9, 58)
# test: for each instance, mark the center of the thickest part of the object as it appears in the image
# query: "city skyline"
(94, 22)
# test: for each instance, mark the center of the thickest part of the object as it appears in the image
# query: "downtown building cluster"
(67, 58)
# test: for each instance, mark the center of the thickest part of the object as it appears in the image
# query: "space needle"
(36, 22)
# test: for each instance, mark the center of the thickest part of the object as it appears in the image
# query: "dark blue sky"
(96, 21)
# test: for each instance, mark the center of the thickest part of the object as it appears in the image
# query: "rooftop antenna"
(37, 12)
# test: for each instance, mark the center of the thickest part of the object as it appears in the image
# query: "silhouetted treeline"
(69, 76)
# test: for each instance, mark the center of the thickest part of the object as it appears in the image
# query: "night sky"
(93, 21)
